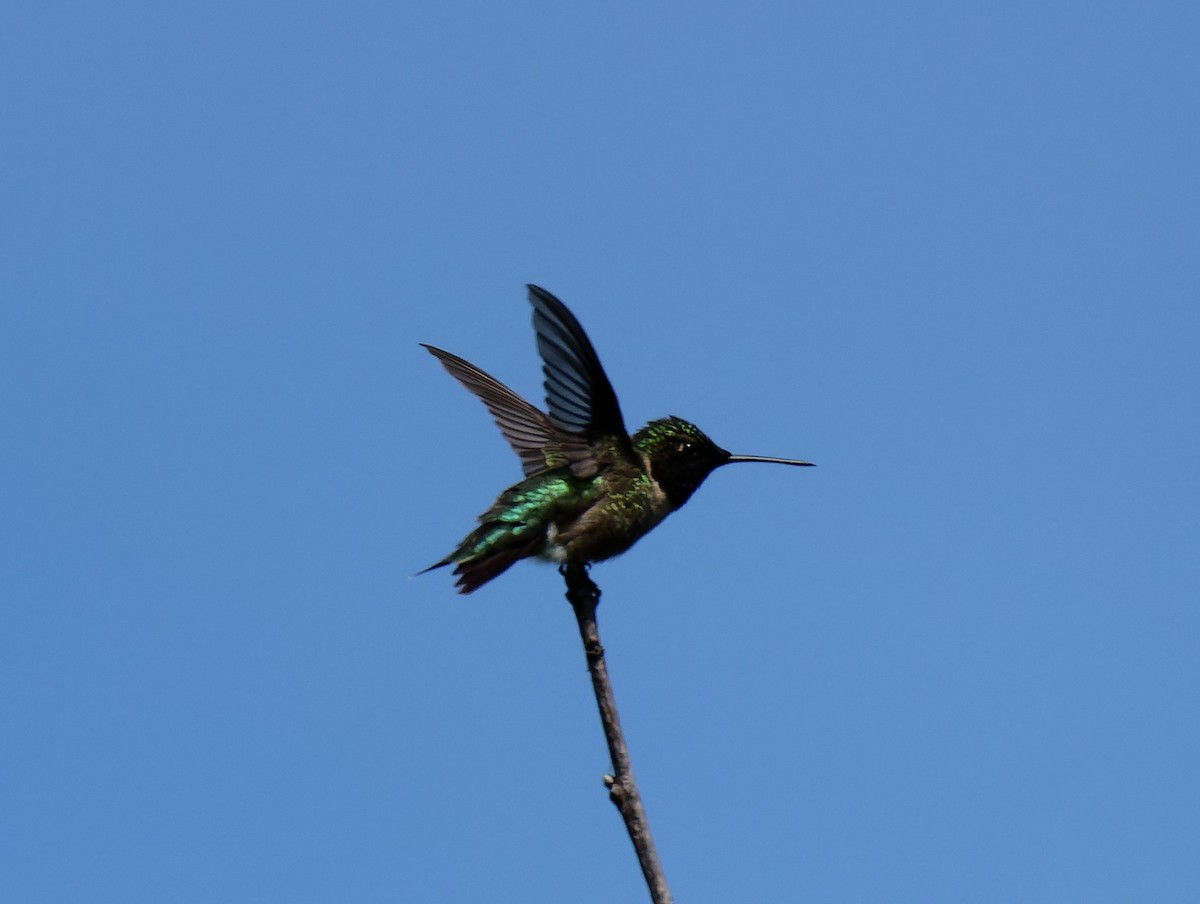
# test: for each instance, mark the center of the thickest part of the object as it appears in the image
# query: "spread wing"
(578, 394)
(537, 440)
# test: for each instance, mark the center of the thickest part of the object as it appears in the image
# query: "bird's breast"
(621, 512)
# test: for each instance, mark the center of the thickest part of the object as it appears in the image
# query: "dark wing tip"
(579, 396)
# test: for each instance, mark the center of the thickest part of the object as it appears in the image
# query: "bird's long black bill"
(771, 461)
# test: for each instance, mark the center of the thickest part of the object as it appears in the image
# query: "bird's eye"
(684, 447)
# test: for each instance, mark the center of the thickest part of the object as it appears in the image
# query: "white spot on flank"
(553, 551)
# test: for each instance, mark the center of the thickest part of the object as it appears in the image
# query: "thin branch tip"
(584, 596)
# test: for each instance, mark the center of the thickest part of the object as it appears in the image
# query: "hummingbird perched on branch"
(590, 490)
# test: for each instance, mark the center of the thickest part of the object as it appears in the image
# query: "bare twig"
(584, 596)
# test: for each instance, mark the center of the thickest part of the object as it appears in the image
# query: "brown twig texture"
(584, 597)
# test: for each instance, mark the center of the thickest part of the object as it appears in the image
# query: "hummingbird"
(590, 489)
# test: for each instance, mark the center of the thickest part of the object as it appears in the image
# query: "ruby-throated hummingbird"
(590, 490)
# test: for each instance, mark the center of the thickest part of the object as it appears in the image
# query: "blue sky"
(947, 251)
